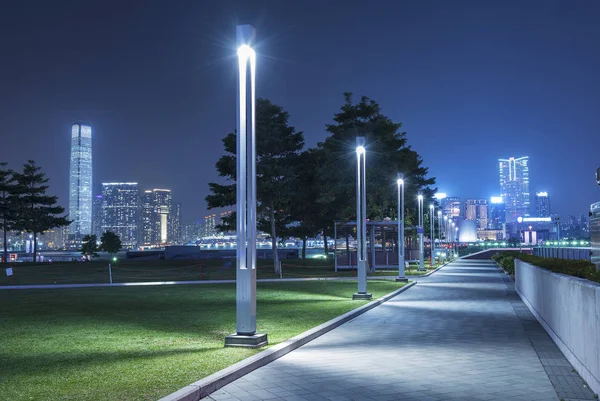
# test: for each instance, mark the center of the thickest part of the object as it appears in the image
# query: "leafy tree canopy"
(110, 242)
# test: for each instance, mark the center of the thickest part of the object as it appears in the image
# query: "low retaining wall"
(569, 309)
(563, 253)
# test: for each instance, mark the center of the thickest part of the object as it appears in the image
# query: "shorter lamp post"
(361, 220)
(457, 242)
(431, 232)
(400, 183)
(420, 232)
(440, 229)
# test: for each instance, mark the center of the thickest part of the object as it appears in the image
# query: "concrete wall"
(562, 253)
(569, 309)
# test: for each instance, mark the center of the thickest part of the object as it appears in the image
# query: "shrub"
(577, 268)
(506, 260)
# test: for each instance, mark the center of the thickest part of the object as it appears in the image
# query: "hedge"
(577, 268)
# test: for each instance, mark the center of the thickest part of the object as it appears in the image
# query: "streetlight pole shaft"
(246, 186)
(361, 219)
(400, 226)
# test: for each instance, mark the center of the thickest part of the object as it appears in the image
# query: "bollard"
(109, 274)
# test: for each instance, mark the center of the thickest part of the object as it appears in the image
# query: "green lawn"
(167, 270)
(141, 343)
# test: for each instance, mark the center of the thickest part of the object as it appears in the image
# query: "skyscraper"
(156, 209)
(97, 216)
(451, 206)
(209, 225)
(80, 183)
(477, 210)
(175, 224)
(514, 187)
(120, 206)
(542, 204)
(496, 213)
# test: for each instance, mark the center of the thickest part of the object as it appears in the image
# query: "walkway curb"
(212, 383)
(154, 283)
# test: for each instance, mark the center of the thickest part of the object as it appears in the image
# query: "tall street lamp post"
(400, 182)
(431, 232)
(439, 213)
(446, 230)
(361, 220)
(420, 230)
(246, 335)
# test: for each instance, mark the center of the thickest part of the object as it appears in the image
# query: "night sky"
(471, 81)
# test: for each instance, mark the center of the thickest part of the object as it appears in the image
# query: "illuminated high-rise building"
(209, 225)
(80, 183)
(97, 216)
(120, 209)
(477, 210)
(175, 236)
(496, 213)
(542, 204)
(514, 187)
(451, 207)
(156, 209)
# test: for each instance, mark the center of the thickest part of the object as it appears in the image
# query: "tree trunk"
(325, 247)
(304, 247)
(34, 247)
(5, 244)
(274, 241)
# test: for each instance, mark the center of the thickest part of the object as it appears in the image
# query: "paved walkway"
(459, 334)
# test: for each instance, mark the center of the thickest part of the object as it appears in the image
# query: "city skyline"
(500, 108)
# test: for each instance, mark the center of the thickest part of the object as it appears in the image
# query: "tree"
(304, 209)
(36, 212)
(387, 154)
(8, 194)
(110, 242)
(277, 149)
(89, 246)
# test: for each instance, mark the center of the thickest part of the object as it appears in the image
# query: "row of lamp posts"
(246, 335)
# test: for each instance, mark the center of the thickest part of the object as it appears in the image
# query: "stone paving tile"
(460, 334)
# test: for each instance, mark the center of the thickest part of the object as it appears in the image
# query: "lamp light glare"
(420, 197)
(400, 181)
(245, 51)
(360, 150)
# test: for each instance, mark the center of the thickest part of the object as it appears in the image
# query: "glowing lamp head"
(431, 206)
(114, 259)
(439, 213)
(420, 197)
(245, 51)
(400, 181)
(360, 150)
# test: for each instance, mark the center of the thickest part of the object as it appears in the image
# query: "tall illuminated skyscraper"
(156, 209)
(514, 187)
(80, 183)
(542, 204)
(120, 209)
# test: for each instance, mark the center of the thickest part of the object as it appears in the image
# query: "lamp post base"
(362, 296)
(256, 340)
(401, 280)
